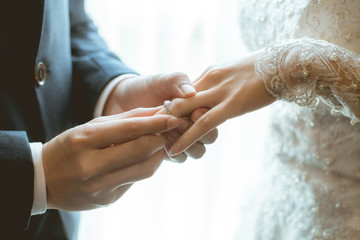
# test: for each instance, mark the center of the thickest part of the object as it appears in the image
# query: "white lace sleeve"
(306, 70)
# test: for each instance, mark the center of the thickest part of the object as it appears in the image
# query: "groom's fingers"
(118, 131)
(171, 137)
(174, 85)
(138, 112)
(196, 151)
(201, 127)
(209, 138)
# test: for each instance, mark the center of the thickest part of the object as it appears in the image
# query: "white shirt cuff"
(40, 201)
(100, 104)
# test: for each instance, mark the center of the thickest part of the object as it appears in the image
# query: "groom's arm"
(94, 65)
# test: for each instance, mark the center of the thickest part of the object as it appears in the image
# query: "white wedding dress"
(312, 190)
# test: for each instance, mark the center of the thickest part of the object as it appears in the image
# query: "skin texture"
(94, 164)
(152, 91)
(228, 90)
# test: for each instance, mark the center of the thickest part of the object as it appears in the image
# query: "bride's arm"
(306, 70)
(303, 71)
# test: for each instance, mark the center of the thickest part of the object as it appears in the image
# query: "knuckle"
(176, 106)
(175, 79)
(88, 130)
(208, 69)
(84, 170)
(70, 137)
(79, 137)
(204, 121)
(214, 72)
(98, 119)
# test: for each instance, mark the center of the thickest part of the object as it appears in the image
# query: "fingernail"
(172, 123)
(174, 150)
(187, 89)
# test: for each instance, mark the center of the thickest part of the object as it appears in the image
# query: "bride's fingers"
(198, 113)
(202, 126)
(171, 137)
(211, 136)
(183, 107)
(213, 77)
(196, 151)
(202, 75)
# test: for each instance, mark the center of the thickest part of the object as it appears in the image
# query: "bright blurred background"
(200, 199)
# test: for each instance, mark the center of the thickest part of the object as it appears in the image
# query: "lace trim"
(306, 70)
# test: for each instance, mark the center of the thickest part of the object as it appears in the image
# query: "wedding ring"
(167, 105)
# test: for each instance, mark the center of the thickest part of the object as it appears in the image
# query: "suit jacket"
(78, 65)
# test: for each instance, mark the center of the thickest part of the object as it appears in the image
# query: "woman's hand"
(152, 91)
(197, 149)
(228, 90)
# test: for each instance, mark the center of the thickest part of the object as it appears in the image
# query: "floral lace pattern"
(312, 179)
(304, 70)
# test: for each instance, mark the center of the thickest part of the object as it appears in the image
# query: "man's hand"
(152, 91)
(147, 91)
(92, 165)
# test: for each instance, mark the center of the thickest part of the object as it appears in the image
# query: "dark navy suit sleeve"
(94, 65)
(16, 179)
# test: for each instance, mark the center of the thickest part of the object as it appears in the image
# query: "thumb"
(179, 85)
